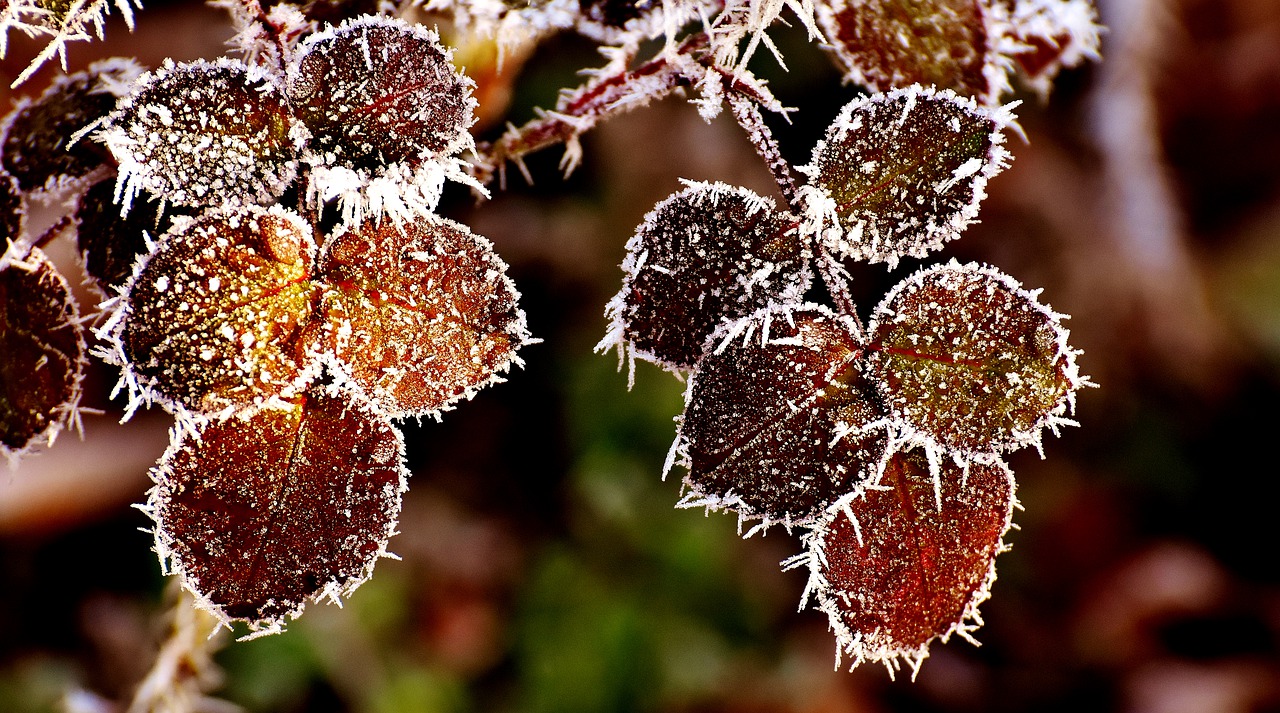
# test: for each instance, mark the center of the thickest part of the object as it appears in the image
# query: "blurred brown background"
(544, 568)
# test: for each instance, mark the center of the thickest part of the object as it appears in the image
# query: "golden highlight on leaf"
(212, 317)
(417, 316)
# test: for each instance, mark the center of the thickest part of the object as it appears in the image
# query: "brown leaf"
(42, 344)
(260, 512)
(778, 429)
(708, 253)
(211, 319)
(890, 44)
(900, 174)
(971, 360)
(418, 316)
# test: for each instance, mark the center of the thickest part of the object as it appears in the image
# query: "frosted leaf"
(205, 134)
(779, 422)
(13, 217)
(210, 319)
(970, 360)
(43, 347)
(909, 561)
(61, 21)
(901, 173)
(38, 149)
(418, 315)
(376, 91)
(708, 253)
(890, 44)
(109, 243)
(261, 512)
(1054, 34)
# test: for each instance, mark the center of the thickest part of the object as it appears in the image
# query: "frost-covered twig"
(184, 671)
(748, 116)
(579, 110)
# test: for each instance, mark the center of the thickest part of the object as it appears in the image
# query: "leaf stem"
(747, 114)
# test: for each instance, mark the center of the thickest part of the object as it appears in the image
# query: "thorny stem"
(582, 109)
(747, 113)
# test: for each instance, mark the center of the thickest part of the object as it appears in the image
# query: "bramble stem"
(580, 110)
(836, 279)
(747, 113)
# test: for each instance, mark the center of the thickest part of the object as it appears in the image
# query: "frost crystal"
(902, 173)
(205, 134)
(62, 21)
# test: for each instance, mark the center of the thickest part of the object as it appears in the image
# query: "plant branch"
(580, 110)
(184, 670)
(747, 114)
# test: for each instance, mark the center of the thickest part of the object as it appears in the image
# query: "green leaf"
(970, 361)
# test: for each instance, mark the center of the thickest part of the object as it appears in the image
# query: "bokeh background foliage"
(544, 569)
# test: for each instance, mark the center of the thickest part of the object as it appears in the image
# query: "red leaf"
(776, 428)
(376, 91)
(418, 316)
(259, 513)
(909, 560)
(42, 344)
(708, 253)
